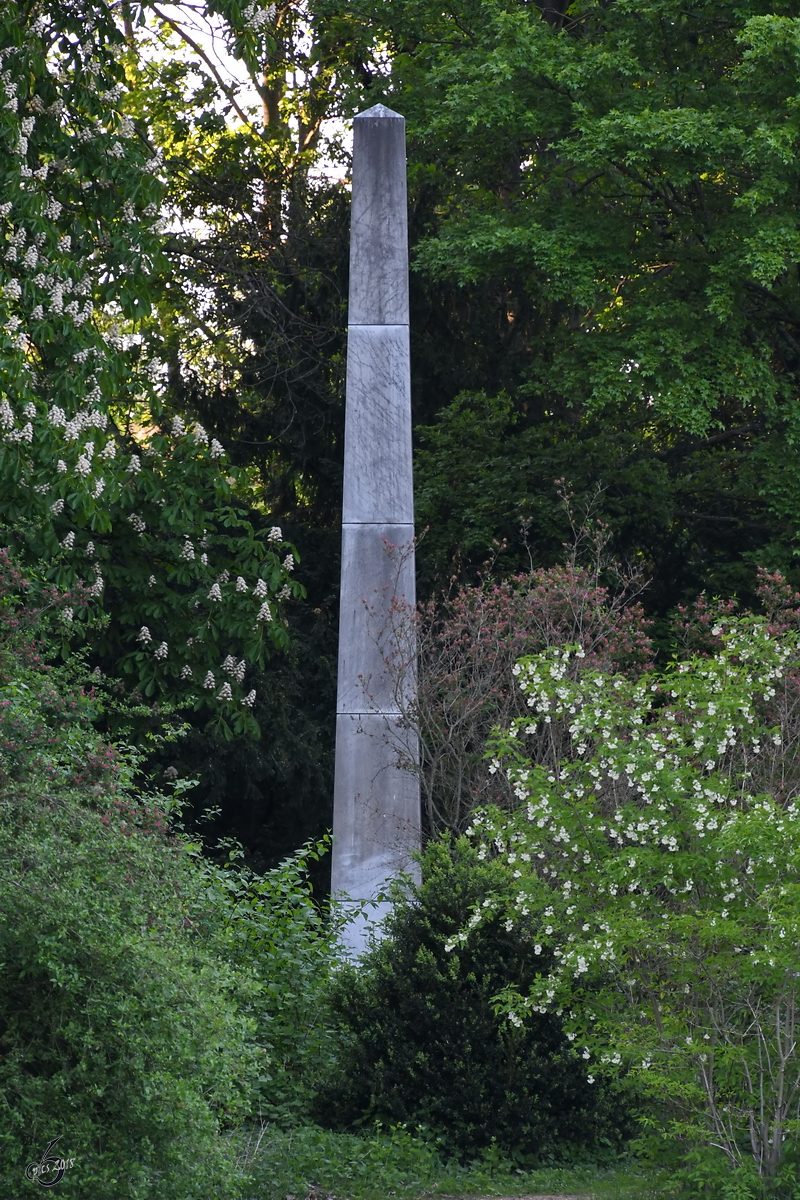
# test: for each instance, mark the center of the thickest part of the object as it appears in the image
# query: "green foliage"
(144, 1004)
(659, 856)
(122, 1032)
(421, 1043)
(313, 1161)
(272, 929)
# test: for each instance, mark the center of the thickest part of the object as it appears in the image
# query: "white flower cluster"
(256, 18)
(235, 669)
(187, 550)
(250, 699)
(178, 427)
(214, 592)
(209, 681)
(275, 534)
(144, 635)
(225, 692)
(137, 523)
(22, 435)
(261, 590)
(264, 613)
(161, 651)
(217, 450)
(241, 584)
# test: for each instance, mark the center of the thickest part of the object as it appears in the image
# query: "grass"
(383, 1166)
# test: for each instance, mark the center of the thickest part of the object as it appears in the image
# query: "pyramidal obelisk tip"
(378, 110)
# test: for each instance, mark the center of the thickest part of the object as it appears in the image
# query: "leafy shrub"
(664, 849)
(271, 928)
(143, 988)
(423, 1045)
(120, 1030)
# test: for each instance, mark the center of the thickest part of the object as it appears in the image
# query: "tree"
(657, 853)
(604, 215)
(97, 477)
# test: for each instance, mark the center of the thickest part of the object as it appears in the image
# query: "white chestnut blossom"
(261, 590)
(187, 551)
(69, 540)
(61, 466)
(178, 427)
(217, 449)
(144, 635)
(250, 699)
(57, 507)
(209, 681)
(186, 672)
(241, 585)
(214, 592)
(161, 651)
(288, 562)
(225, 692)
(137, 523)
(135, 465)
(200, 436)
(275, 534)
(22, 435)
(264, 613)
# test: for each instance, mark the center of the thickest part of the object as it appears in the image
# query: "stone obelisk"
(376, 809)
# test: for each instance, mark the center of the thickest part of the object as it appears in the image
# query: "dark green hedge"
(420, 1042)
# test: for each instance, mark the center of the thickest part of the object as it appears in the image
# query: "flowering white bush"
(661, 856)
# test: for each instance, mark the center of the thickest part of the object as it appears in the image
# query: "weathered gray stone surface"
(369, 627)
(377, 433)
(376, 822)
(379, 222)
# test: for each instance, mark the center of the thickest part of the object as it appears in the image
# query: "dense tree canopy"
(604, 291)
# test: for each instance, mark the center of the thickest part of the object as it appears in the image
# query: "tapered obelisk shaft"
(376, 820)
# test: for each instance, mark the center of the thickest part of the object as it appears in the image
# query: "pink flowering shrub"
(468, 643)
